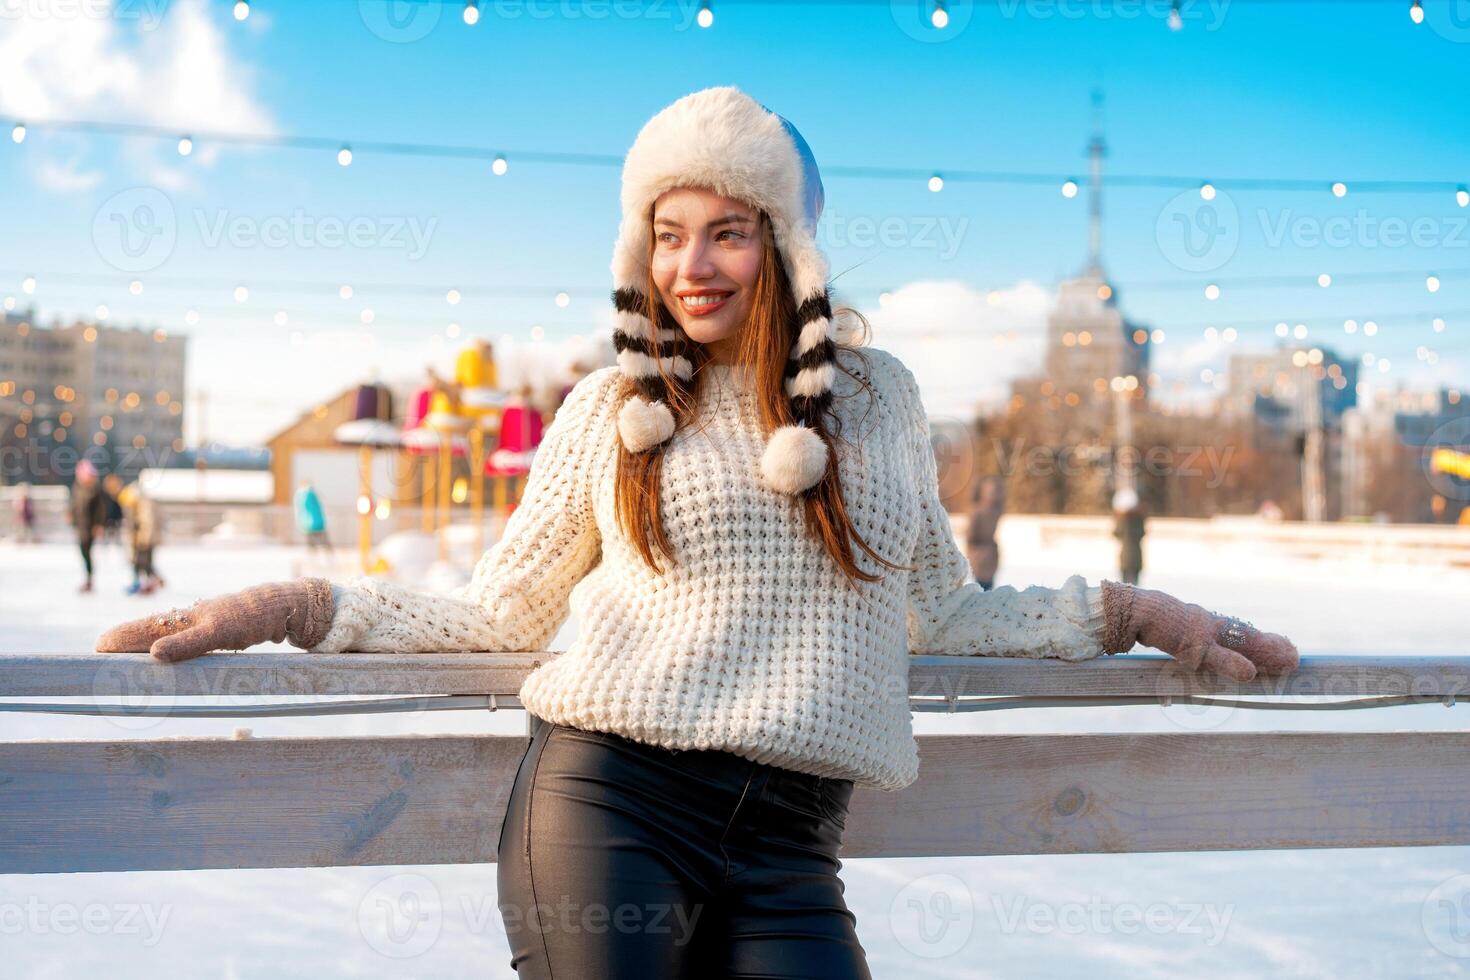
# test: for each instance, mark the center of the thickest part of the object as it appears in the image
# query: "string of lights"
(561, 295)
(349, 150)
(936, 13)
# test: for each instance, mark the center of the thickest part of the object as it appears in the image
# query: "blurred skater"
(25, 513)
(87, 514)
(980, 543)
(112, 524)
(144, 527)
(1128, 527)
(311, 519)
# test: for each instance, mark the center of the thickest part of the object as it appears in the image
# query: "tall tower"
(1096, 150)
(1089, 341)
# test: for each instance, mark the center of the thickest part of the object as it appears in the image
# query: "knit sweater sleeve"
(949, 614)
(517, 598)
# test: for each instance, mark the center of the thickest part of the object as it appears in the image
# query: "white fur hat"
(722, 140)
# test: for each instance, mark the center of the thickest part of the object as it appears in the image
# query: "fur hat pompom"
(642, 425)
(794, 460)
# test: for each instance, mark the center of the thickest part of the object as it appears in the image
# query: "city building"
(1391, 438)
(1091, 347)
(1285, 388)
(1292, 399)
(113, 394)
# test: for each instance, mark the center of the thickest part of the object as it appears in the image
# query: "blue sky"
(1250, 89)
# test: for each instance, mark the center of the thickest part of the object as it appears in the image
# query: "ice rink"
(1318, 913)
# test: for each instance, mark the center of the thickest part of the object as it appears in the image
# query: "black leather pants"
(625, 860)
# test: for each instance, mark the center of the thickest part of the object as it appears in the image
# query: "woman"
(25, 512)
(985, 515)
(1128, 528)
(744, 515)
(88, 514)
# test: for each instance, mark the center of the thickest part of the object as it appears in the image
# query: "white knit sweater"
(753, 642)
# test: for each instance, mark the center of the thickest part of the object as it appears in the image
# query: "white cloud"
(964, 345)
(66, 177)
(1174, 358)
(175, 72)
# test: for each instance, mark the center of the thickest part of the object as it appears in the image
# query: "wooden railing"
(222, 802)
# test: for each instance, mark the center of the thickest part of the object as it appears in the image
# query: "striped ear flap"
(796, 456)
(645, 420)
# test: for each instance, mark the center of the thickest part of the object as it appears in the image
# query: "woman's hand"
(1191, 634)
(299, 611)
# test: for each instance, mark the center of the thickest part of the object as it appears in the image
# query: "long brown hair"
(765, 345)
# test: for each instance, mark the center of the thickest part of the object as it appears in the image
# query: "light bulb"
(242, 9)
(936, 183)
(1416, 12)
(1069, 189)
(18, 134)
(471, 13)
(186, 146)
(344, 156)
(939, 17)
(1207, 191)
(1212, 291)
(1176, 21)
(706, 16)
(499, 166)
(1462, 197)
(1339, 189)
(1431, 283)
(1324, 280)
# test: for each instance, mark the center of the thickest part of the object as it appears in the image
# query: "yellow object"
(1450, 461)
(380, 566)
(475, 367)
(128, 495)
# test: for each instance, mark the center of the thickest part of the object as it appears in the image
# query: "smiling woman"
(737, 690)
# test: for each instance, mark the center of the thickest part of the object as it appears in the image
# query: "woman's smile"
(703, 302)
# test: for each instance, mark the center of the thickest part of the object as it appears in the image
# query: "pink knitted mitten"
(1191, 634)
(299, 611)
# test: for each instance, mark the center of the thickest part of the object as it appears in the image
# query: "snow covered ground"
(1321, 913)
